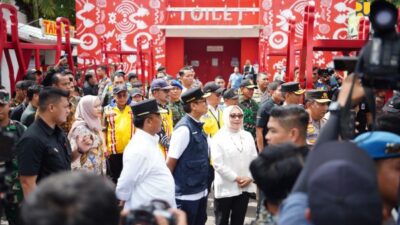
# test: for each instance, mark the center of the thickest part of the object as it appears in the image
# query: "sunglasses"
(233, 116)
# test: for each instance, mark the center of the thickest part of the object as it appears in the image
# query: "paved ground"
(251, 211)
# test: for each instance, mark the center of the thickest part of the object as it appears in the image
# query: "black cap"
(161, 68)
(117, 89)
(342, 192)
(160, 83)
(192, 95)
(132, 75)
(319, 96)
(4, 97)
(146, 107)
(231, 94)
(212, 87)
(393, 105)
(292, 87)
(248, 83)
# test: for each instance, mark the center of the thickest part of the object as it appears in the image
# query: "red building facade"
(211, 35)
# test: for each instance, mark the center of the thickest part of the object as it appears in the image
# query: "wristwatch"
(334, 107)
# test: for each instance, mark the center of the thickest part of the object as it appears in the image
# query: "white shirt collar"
(141, 133)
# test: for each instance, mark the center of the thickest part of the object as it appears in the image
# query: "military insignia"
(325, 95)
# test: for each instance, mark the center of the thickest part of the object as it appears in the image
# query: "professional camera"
(379, 60)
(325, 72)
(146, 215)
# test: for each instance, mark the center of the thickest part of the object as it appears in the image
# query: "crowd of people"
(177, 140)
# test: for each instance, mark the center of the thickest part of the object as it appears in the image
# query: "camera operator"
(15, 130)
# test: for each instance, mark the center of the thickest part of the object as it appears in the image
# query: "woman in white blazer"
(232, 150)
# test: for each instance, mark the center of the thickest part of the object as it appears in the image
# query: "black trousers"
(233, 208)
(114, 166)
(196, 211)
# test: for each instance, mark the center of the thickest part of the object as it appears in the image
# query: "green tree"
(47, 9)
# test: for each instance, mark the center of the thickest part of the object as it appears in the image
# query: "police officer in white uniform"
(144, 175)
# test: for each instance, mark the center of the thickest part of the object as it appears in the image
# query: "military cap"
(292, 87)
(319, 96)
(146, 107)
(231, 94)
(192, 95)
(247, 83)
(379, 144)
(212, 87)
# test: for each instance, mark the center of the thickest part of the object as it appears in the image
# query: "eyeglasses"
(233, 116)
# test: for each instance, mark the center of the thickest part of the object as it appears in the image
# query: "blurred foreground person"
(275, 171)
(72, 199)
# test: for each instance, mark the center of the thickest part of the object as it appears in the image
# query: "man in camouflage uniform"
(175, 103)
(248, 105)
(13, 129)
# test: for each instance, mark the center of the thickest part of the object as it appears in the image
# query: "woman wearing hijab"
(86, 138)
(232, 150)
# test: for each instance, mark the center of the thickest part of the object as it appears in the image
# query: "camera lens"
(384, 18)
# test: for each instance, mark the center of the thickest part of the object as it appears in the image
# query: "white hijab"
(227, 121)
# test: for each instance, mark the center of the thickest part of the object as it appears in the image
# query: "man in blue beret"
(384, 148)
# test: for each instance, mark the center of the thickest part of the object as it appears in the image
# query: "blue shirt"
(235, 79)
(292, 210)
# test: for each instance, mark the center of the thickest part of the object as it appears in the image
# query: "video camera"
(378, 63)
(379, 60)
(326, 72)
(146, 215)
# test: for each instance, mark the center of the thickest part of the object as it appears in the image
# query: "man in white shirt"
(145, 176)
(188, 158)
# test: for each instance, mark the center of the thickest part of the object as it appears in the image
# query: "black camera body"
(379, 63)
(146, 214)
(326, 72)
(379, 60)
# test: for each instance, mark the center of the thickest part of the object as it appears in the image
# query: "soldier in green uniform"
(249, 106)
(175, 103)
(14, 129)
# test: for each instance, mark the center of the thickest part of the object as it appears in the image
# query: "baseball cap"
(160, 84)
(231, 94)
(212, 87)
(342, 192)
(176, 83)
(137, 84)
(319, 96)
(379, 144)
(248, 83)
(136, 91)
(292, 87)
(4, 97)
(393, 105)
(119, 88)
